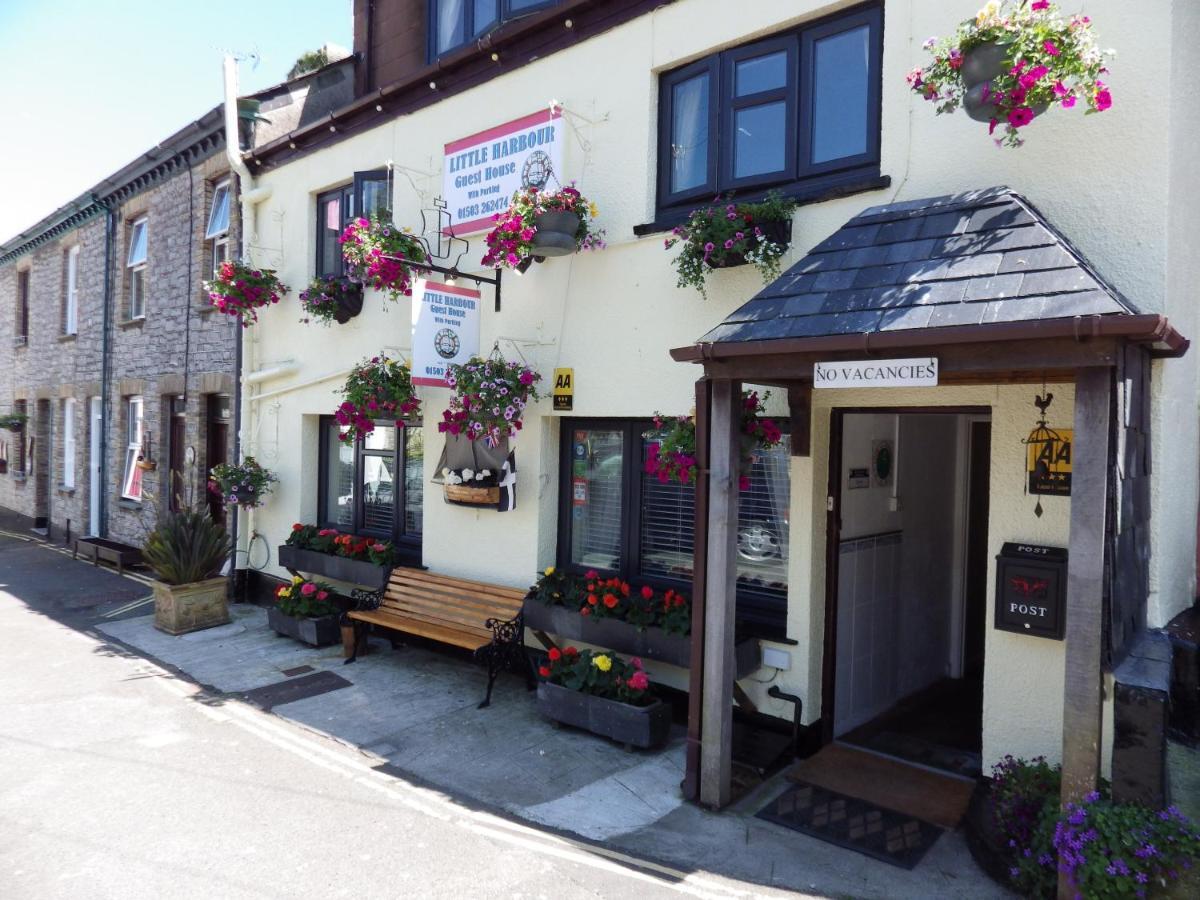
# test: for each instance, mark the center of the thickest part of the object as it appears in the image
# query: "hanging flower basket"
(671, 454)
(377, 388)
(13, 421)
(246, 485)
(538, 224)
(331, 299)
(732, 234)
(241, 290)
(489, 400)
(1011, 62)
(379, 254)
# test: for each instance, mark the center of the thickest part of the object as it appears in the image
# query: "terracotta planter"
(776, 232)
(629, 640)
(350, 302)
(319, 632)
(181, 608)
(338, 568)
(647, 727)
(556, 232)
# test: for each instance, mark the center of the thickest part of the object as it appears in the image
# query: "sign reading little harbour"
(482, 171)
(876, 373)
(445, 329)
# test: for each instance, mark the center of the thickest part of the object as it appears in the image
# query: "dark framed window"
(366, 195)
(781, 113)
(374, 486)
(21, 336)
(456, 23)
(20, 438)
(616, 518)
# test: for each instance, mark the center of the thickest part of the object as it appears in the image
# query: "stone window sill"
(19, 477)
(126, 503)
(20, 343)
(66, 338)
(66, 491)
(133, 323)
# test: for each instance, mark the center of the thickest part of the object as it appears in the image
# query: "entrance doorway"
(217, 417)
(907, 596)
(178, 495)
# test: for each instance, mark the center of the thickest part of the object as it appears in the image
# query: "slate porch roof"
(975, 259)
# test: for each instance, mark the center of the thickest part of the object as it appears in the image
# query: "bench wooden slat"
(426, 629)
(473, 622)
(469, 610)
(446, 584)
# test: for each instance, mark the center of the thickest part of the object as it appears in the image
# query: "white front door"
(95, 414)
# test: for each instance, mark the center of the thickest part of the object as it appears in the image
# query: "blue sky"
(91, 84)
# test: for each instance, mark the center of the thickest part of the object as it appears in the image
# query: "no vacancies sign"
(482, 171)
(445, 329)
(877, 373)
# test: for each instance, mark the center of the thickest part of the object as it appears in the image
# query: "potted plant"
(671, 455)
(331, 299)
(377, 388)
(306, 611)
(469, 487)
(186, 552)
(13, 421)
(342, 557)
(241, 290)
(538, 224)
(246, 484)
(603, 694)
(380, 255)
(732, 234)
(489, 399)
(1011, 62)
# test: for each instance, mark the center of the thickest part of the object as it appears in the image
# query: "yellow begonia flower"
(602, 662)
(549, 571)
(296, 579)
(286, 593)
(989, 11)
(593, 210)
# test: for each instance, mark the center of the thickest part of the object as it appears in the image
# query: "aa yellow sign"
(1049, 463)
(564, 390)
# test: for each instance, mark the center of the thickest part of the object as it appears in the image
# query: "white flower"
(486, 473)
(480, 477)
(453, 479)
(445, 472)
(468, 474)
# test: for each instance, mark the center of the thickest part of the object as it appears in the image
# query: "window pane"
(668, 525)
(518, 5)
(378, 494)
(137, 293)
(382, 438)
(137, 244)
(375, 200)
(329, 216)
(758, 147)
(762, 537)
(840, 94)
(485, 15)
(218, 219)
(597, 458)
(451, 22)
(339, 479)
(689, 133)
(763, 73)
(414, 479)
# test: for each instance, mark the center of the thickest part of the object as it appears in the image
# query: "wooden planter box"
(636, 726)
(180, 608)
(338, 568)
(626, 639)
(319, 632)
(469, 495)
(99, 550)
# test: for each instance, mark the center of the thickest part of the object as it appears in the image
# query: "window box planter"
(339, 568)
(100, 550)
(556, 230)
(319, 632)
(467, 495)
(777, 232)
(647, 727)
(182, 608)
(629, 640)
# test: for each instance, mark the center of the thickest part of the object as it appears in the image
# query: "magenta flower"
(1020, 117)
(1050, 48)
(1038, 5)
(1103, 99)
(1068, 101)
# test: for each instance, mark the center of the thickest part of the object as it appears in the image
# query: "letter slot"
(1031, 590)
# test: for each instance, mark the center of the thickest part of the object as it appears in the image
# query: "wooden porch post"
(716, 726)
(691, 777)
(1085, 585)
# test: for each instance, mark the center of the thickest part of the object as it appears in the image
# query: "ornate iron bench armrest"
(364, 601)
(507, 631)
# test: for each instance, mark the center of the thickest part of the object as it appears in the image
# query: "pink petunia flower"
(1050, 48)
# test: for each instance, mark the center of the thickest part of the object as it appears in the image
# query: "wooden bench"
(483, 618)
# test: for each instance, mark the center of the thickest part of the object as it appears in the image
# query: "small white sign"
(481, 172)
(877, 373)
(445, 329)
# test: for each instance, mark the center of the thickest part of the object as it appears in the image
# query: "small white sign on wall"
(877, 373)
(445, 329)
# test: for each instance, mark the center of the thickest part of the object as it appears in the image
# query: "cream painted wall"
(1104, 180)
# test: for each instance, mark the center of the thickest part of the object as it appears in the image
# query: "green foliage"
(13, 421)
(246, 484)
(186, 547)
(611, 598)
(308, 62)
(304, 598)
(599, 674)
(377, 388)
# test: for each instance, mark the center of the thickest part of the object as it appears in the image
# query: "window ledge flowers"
(332, 542)
(1011, 62)
(379, 255)
(542, 223)
(377, 388)
(732, 234)
(596, 597)
(305, 599)
(241, 290)
(331, 299)
(246, 485)
(672, 456)
(489, 400)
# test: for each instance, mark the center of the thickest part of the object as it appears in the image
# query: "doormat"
(272, 695)
(888, 836)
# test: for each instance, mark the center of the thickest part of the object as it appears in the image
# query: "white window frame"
(218, 226)
(131, 484)
(136, 263)
(71, 313)
(68, 460)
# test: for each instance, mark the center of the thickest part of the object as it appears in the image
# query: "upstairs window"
(792, 110)
(456, 23)
(135, 262)
(217, 232)
(366, 196)
(21, 331)
(71, 292)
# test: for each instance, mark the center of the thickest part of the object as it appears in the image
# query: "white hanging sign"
(445, 329)
(877, 373)
(481, 172)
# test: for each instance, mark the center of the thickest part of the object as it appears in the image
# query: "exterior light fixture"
(333, 128)
(568, 24)
(378, 107)
(292, 144)
(495, 56)
(433, 85)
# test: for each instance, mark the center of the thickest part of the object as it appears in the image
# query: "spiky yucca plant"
(186, 547)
